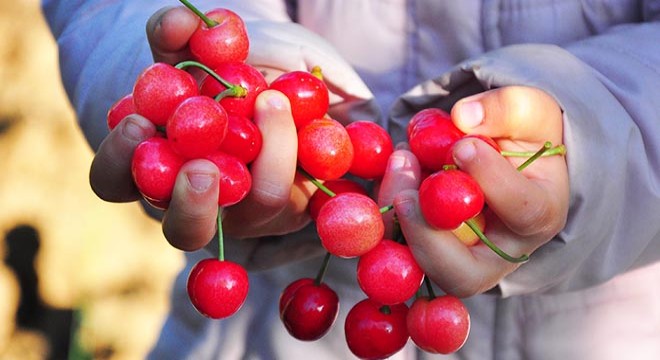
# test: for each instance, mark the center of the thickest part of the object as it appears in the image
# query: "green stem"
(546, 146)
(429, 287)
(473, 225)
(323, 269)
(557, 150)
(209, 22)
(385, 309)
(385, 209)
(316, 182)
(221, 239)
(232, 89)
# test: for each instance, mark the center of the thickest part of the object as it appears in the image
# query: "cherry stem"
(385, 309)
(316, 71)
(232, 89)
(316, 182)
(473, 225)
(209, 22)
(546, 146)
(385, 209)
(557, 150)
(429, 287)
(221, 239)
(323, 269)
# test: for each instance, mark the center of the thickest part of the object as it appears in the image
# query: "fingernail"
(133, 130)
(397, 162)
(464, 152)
(277, 101)
(471, 114)
(404, 206)
(200, 182)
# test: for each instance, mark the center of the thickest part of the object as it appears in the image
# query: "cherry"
(154, 168)
(159, 89)
(324, 149)
(438, 325)
(337, 186)
(376, 331)
(350, 224)
(431, 137)
(243, 139)
(239, 74)
(235, 179)
(217, 288)
(307, 93)
(220, 37)
(197, 127)
(388, 273)
(308, 309)
(372, 147)
(449, 197)
(119, 110)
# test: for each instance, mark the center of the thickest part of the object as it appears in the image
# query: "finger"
(110, 173)
(457, 269)
(403, 173)
(168, 32)
(274, 170)
(514, 112)
(190, 221)
(528, 205)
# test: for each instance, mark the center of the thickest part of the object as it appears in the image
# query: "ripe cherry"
(217, 289)
(159, 89)
(440, 325)
(197, 127)
(372, 147)
(307, 309)
(221, 37)
(154, 167)
(324, 149)
(337, 186)
(240, 74)
(350, 225)
(431, 136)
(389, 274)
(243, 139)
(235, 179)
(376, 331)
(449, 197)
(307, 93)
(119, 110)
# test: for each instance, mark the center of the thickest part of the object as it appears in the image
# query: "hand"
(525, 209)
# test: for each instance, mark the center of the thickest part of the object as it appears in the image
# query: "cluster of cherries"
(210, 117)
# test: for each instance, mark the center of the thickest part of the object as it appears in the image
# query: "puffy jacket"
(590, 293)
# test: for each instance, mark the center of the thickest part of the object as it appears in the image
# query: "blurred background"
(71, 263)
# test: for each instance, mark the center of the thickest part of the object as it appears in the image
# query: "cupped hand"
(525, 209)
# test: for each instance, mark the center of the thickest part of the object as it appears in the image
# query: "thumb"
(513, 112)
(168, 32)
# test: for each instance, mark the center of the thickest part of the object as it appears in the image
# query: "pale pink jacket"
(593, 292)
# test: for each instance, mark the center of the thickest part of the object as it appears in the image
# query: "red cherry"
(389, 274)
(119, 110)
(154, 167)
(223, 42)
(350, 225)
(439, 326)
(197, 127)
(159, 89)
(217, 289)
(372, 147)
(243, 139)
(308, 95)
(337, 186)
(308, 310)
(449, 197)
(235, 178)
(375, 331)
(237, 73)
(324, 149)
(432, 136)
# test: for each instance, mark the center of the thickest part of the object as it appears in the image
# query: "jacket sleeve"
(607, 86)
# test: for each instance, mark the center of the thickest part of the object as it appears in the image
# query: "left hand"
(525, 209)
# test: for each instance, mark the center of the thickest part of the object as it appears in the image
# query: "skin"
(525, 209)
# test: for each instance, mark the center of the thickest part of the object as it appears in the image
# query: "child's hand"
(525, 209)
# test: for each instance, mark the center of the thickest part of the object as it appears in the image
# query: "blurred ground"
(63, 248)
